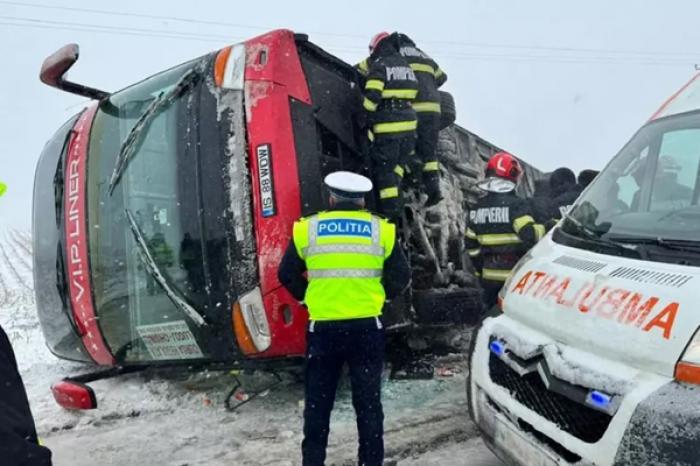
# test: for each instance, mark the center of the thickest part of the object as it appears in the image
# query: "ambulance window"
(676, 172)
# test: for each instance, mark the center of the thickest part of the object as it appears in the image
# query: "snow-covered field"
(180, 419)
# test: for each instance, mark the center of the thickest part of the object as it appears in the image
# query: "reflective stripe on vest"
(344, 273)
(372, 250)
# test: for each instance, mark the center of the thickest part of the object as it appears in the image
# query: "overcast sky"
(557, 83)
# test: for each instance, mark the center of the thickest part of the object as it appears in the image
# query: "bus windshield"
(145, 252)
(650, 190)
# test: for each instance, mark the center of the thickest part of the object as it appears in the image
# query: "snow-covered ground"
(180, 420)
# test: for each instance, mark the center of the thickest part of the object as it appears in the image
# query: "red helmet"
(377, 39)
(504, 165)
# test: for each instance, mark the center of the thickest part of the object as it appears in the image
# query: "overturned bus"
(161, 211)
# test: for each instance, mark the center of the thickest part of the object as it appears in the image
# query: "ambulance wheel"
(448, 109)
(448, 306)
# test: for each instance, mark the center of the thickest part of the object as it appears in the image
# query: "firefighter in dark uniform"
(390, 88)
(19, 445)
(427, 106)
(352, 265)
(501, 227)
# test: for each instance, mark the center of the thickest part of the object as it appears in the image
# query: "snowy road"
(180, 420)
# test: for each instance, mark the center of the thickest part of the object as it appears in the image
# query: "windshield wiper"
(594, 236)
(135, 136)
(152, 268)
(670, 244)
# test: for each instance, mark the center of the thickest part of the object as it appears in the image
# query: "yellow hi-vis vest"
(344, 253)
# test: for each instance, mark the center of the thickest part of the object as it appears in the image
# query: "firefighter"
(427, 107)
(501, 227)
(585, 177)
(352, 264)
(390, 87)
(19, 445)
(564, 190)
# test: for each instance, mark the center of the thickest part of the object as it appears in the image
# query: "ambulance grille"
(576, 419)
(673, 280)
(580, 264)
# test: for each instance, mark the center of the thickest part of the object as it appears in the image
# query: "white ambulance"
(594, 355)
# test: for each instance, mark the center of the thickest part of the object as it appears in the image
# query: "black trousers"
(427, 136)
(387, 152)
(330, 345)
(491, 290)
(18, 440)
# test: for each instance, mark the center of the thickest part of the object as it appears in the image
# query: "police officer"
(19, 445)
(390, 88)
(353, 264)
(501, 227)
(427, 107)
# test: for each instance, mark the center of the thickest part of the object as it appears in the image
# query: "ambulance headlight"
(688, 368)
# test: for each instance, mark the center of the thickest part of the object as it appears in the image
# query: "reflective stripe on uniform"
(370, 135)
(431, 166)
(474, 252)
(521, 222)
(439, 73)
(539, 231)
(388, 193)
(427, 107)
(399, 93)
(395, 127)
(369, 105)
(498, 239)
(495, 274)
(423, 68)
(399, 171)
(374, 84)
(345, 273)
(363, 66)
(372, 250)
(470, 234)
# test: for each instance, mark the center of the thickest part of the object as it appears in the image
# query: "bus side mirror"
(55, 67)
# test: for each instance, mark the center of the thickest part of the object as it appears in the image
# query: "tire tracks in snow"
(20, 240)
(410, 439)
(17, 277)
(17, 253)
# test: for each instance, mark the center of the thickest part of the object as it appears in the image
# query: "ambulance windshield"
(650, 190)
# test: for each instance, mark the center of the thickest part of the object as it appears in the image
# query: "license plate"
(519, 446)
(267, 190)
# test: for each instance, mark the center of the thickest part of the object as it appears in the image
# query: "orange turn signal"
(220, 65)
(687, 372)
(245, 341)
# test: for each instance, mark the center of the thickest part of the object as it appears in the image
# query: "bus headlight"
(250, 323)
